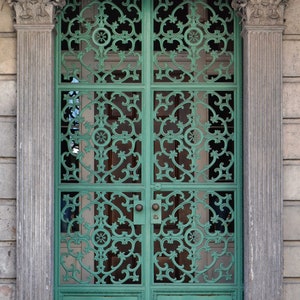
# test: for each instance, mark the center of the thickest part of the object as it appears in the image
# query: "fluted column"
(34, 25)
(262, 32)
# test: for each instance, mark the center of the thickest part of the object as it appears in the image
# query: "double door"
(148, 177)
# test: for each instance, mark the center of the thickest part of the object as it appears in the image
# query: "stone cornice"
(261, 12)
(34, 12)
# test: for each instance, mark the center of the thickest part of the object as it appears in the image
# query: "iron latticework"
(148, 150)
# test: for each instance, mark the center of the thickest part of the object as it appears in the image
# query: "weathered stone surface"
(35, 157)
(7, 55)
(292, 17)
(7, 291)
(262, 161)
(6, 20)
(7, 260)
(291, 103)
(8, 98)
(291, 140)
(255, 12)
(7, 220)
(292, 261)
(291, 222)
(291, 187)
(291, 58)
(8, 137)
(7, 180)
(36, 12)
(291, 291)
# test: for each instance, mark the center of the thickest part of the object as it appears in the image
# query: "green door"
(148, 151)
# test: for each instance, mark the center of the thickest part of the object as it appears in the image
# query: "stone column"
(262, 32)
(34, 25)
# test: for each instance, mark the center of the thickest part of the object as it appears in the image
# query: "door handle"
(155, 206)
(139, 213)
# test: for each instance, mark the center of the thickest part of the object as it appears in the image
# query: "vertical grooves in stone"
(262, 135)
(35, 152)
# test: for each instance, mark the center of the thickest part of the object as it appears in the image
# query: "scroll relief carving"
(34, 11)
(261, 12)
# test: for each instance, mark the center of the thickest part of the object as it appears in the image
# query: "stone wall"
(291, 151)
(7, 155)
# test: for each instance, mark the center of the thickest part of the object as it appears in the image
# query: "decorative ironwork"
(104, 41)
(106, 248)
(186, 248)
(194, 136)
(148, 175)
(111, 137)
(193, 41)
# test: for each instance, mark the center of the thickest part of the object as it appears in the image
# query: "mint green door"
(148, 151)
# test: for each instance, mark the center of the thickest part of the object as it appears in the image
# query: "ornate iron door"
(148, 151)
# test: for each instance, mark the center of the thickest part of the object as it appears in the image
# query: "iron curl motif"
(190, 246)
(107, 147)
(193, 44)
(102, 250)
(104, 38)
(148, 178)
(194, 136)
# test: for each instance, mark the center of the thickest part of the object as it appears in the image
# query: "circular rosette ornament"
(194, 237)
(101, 238)
(101, 37)
(193, 36)
(101, 137)
(193, 136)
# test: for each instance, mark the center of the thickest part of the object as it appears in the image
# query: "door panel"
(186, 247)
(148, 151)
(109, 297)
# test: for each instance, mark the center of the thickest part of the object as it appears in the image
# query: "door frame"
(262, 159)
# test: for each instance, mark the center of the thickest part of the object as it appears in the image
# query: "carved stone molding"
(261, 12)
(34, 11)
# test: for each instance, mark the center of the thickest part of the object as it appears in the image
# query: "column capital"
(34, 12)
(260, 12)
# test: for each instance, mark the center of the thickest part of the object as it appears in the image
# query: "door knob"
(139, 207)
(155, 206)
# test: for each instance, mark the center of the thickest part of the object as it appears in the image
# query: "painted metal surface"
(148, 151)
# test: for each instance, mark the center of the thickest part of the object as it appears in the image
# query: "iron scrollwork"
(148, 132)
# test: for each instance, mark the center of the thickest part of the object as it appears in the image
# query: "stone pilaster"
(34, 25)
(262, 30)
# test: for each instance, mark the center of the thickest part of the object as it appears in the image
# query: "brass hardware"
(155, 206)
(139, 207)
